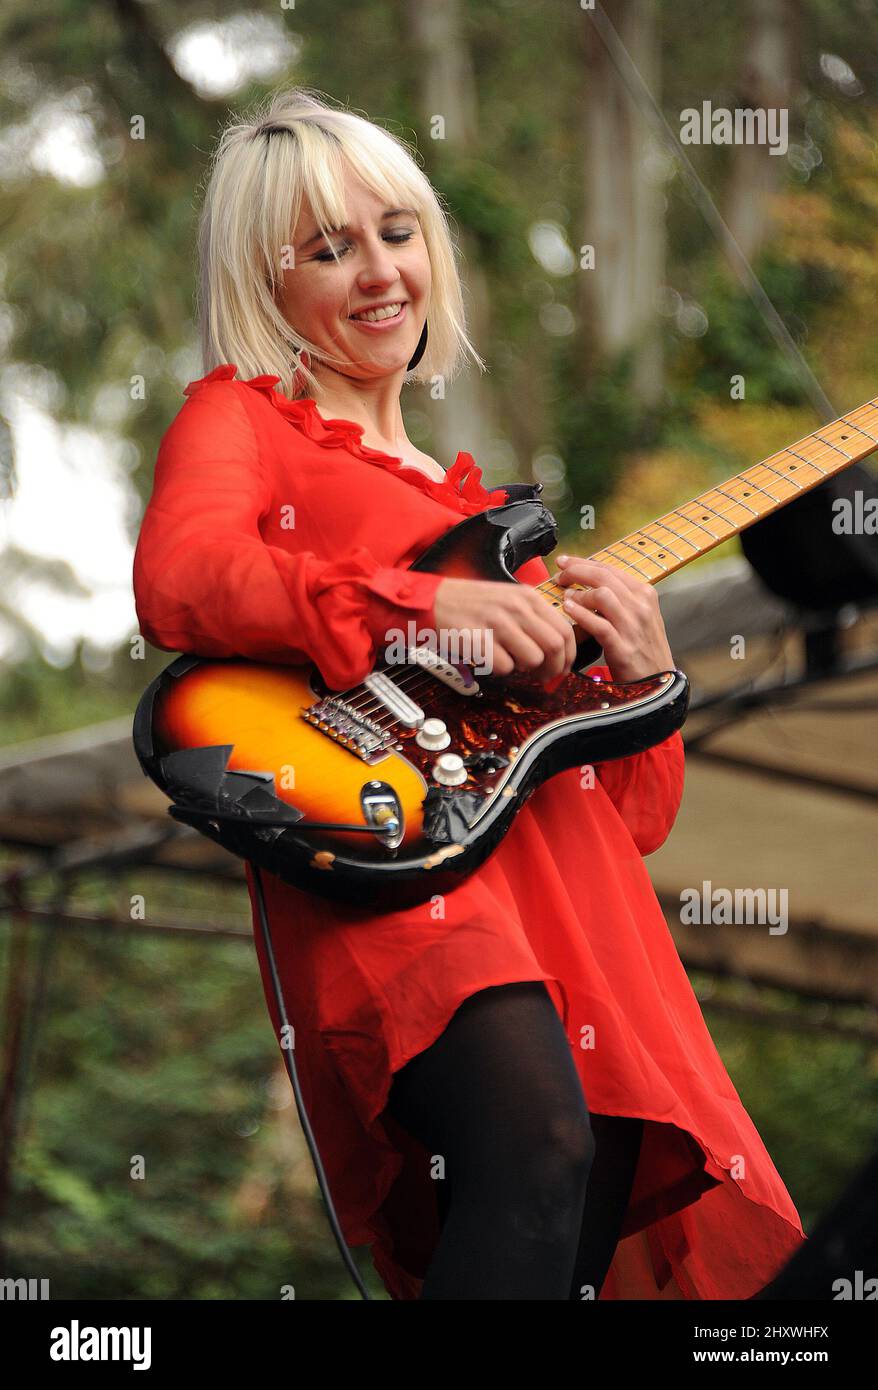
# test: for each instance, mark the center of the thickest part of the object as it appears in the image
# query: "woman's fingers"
(538, 645)
(633, 634)
(603, 600)
(554, 632)
(524, 630)
(595, 626)
(575, 570)
(510, 639)
(637, 605)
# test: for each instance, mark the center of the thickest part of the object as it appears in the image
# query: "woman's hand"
(521, 630)
(621, 613)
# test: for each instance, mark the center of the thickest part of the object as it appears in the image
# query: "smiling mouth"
(376, 319)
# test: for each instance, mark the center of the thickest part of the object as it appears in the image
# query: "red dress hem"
(661, 1234)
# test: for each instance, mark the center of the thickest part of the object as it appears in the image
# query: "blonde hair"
(296, 144)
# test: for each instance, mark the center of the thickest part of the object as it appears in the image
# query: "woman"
(512, 1088)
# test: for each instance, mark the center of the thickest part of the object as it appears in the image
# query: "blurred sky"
(74, 490)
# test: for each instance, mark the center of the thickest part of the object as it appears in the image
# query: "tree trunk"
(623, 202)
(446, 87)
(764, 80)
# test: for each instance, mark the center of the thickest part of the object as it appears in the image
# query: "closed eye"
(396, 238)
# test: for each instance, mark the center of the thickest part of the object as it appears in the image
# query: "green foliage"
(813, 1096)
(38, 699)
(598, 424)
(739, 341)
(159, 1047)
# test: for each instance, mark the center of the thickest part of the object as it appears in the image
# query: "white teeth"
(374, 315)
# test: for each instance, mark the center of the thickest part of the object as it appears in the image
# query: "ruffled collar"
(461, 487)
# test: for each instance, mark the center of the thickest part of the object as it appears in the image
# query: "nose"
(379, 262)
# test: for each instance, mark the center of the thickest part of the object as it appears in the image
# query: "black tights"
(535, 1189)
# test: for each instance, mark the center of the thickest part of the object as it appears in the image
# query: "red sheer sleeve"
(645, 788)
(206, 582)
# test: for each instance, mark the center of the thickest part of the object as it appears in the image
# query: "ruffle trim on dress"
(463, 480)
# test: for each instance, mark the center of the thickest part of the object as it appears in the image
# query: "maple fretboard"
(670, 542)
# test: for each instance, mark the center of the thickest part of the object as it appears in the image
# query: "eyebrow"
(391, 212)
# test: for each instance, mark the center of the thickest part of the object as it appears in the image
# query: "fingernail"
(562, 559)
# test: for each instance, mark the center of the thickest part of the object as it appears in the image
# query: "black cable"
(300, 1104)
(187, 813)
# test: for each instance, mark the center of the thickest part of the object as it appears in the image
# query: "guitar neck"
(680, 536)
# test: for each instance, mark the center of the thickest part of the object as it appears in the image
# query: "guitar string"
(413, 681)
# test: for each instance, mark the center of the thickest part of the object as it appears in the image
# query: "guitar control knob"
(449, 770)
(433, 735)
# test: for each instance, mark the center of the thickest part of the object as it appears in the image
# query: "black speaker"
(798, 555)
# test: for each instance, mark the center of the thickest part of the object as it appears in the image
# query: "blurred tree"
(624, 202)
(769, 78)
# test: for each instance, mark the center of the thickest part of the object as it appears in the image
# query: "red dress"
(566, 898)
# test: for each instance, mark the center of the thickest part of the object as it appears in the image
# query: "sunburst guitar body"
(396, 790)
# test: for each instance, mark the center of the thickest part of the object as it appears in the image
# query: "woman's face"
(382, 260)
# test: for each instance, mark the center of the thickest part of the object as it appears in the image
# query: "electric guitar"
(399, 788)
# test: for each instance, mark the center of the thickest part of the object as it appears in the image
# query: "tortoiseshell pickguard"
(511, 707)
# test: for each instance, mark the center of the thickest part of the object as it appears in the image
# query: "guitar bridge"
(350, 727)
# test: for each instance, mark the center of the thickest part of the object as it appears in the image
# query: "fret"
(783, 477)
(859, 430)
(706, 529)
(677, 536)
(701, 499)
(621, 560)
(642, 554)
(638, 539)
(653, 558)
(648, 555)
(794, 467)
(753, 483)
(831, 435)
(825, 461)
(834, 446)
(735, 502)
(617, 559)
(870, 406)
(555, 594)
(809, 462)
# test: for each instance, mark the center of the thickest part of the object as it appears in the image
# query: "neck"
(682, 535)
(374, 405)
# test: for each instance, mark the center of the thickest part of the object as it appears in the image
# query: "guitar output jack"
(383, 812)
